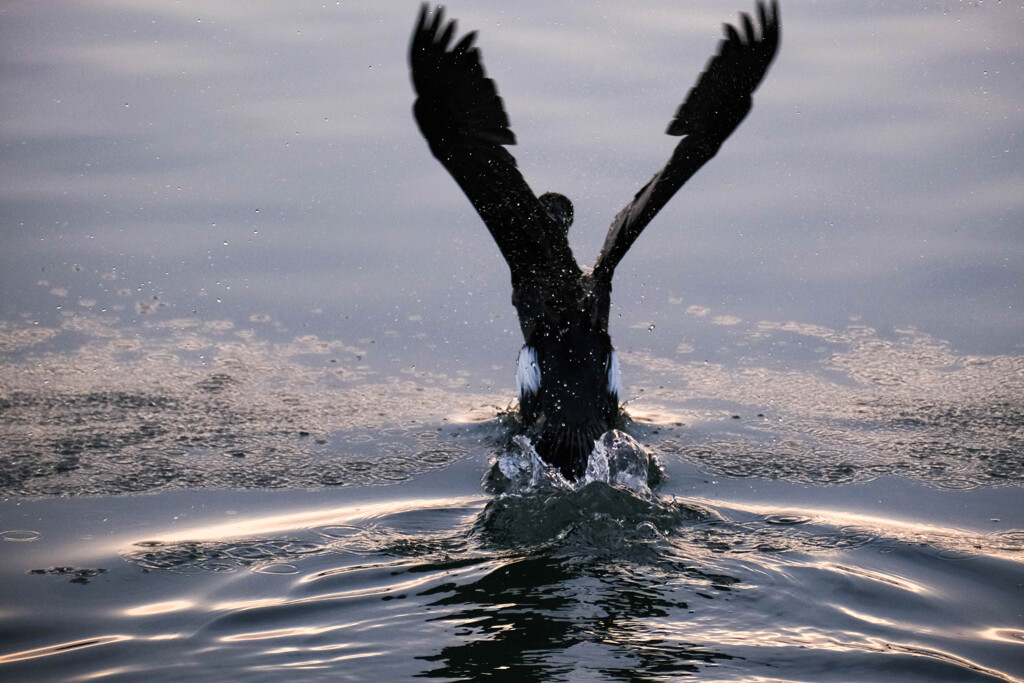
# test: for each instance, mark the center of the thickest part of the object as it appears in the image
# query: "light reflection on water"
(227, 270)
(439, 587)
(417, 569)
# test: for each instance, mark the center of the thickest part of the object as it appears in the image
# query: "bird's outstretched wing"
(713, 109)
(462, 118)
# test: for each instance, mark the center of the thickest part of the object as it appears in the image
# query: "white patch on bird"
(614, 374)
(527, 372)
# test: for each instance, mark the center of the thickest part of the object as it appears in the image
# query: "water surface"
(258, 352)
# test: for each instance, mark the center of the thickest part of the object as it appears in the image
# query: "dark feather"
(568, 446)
(562, 311)
(463, 119)
(712, 110)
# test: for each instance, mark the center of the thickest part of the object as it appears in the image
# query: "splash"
(617, 459)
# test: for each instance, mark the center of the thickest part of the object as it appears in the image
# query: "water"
(258, 353)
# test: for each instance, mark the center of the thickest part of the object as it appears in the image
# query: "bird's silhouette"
(568, 372)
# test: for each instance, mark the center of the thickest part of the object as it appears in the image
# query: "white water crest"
(617, 459)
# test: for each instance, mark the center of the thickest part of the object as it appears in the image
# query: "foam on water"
(138, 410)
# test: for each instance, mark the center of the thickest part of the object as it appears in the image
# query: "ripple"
(951, 555)
(1012, 539)
(62, 648)
(908, 407)
(240, 418)
(338, 531)
(282, 569)
(19, 535)
(856, 537)
(77, 574)
(262, 550)
(1009, 635)
(214, 430)
(787, 520)
(190, 556)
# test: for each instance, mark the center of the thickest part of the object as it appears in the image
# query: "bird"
(567, 375)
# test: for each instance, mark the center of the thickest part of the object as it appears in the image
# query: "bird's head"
(559, 208)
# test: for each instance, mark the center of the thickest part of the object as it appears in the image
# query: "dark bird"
(568, 373)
